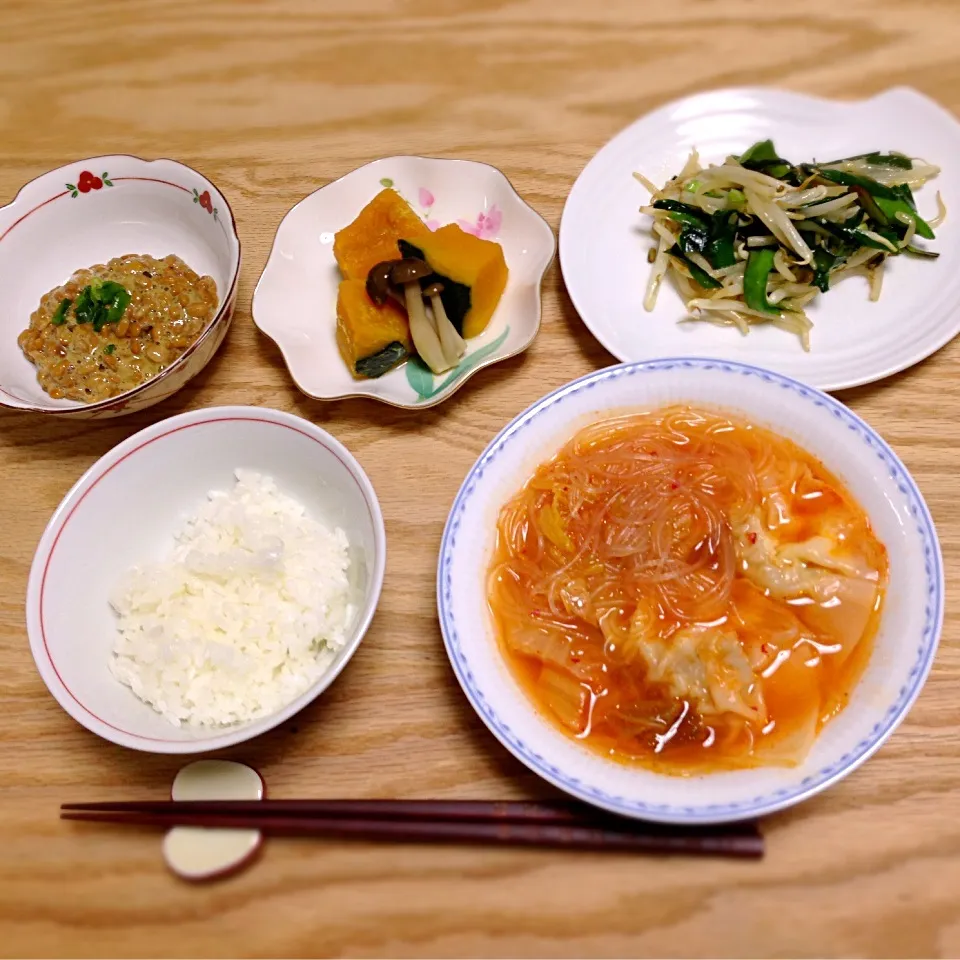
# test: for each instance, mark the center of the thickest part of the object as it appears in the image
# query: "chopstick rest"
(201, 853)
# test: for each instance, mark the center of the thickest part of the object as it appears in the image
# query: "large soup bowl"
(904, 645)
(86, 213)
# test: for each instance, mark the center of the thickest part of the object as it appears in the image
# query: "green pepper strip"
(763, 151)
(759, 265)
(778, 169)
(892, 207)
(884, 212)
(872, 207)
(763, 158)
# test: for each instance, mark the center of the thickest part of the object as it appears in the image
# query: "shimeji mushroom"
(407, 274)
(434, 335)
(454, 346)
(379, 288)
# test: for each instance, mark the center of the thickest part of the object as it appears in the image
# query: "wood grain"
(272, 100)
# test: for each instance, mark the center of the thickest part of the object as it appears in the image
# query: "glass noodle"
(687, 591)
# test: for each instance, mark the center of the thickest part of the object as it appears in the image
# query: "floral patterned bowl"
(86, 213)
(295, 300)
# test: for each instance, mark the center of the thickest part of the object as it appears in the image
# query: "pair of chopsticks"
(548, 824)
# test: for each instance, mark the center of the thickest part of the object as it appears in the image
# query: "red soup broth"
(687, 591)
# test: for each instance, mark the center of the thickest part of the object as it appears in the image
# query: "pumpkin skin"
(373, 235)
(478, 264)
(371, 339)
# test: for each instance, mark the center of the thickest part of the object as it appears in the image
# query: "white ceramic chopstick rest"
(201, 853)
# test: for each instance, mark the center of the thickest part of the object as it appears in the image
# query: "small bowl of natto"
(122, 278)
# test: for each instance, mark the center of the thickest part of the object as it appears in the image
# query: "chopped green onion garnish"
(102, 303)
(60, 317)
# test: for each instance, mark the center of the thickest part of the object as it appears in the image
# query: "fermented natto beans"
(170, 307)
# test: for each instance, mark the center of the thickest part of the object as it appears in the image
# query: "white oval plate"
(903, 650)
(604, 239)
(295, 300)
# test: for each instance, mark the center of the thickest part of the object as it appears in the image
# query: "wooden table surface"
(273, 100)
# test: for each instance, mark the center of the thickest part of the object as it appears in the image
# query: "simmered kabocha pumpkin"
(372, 237)
(371, 338)
(442, 287)
(471, 263)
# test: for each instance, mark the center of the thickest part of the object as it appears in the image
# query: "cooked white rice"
(245, 615)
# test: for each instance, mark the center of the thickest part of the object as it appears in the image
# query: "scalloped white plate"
(604, 239)
(295, 300)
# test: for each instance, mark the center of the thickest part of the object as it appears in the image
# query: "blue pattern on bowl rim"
(707, 812)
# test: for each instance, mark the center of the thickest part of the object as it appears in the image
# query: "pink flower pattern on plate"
(487, 225)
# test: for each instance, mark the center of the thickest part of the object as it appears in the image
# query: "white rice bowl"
(182, 620)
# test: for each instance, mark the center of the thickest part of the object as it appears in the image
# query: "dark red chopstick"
(738, 841)
(547, 812)
(560, 824)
